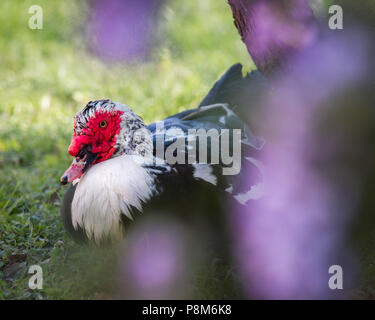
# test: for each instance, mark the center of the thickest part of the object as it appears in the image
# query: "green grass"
(46, 76)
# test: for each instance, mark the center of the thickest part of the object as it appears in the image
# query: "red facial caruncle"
(100, 132)
(94, 143)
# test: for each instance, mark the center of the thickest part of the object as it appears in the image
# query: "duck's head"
(102, 130)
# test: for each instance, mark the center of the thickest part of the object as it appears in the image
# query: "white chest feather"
(106, 191)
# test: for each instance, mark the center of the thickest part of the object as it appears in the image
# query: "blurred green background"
(46, 76)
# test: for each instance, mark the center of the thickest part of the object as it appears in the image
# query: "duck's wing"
(228, 105)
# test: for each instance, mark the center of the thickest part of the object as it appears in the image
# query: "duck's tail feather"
(240, 93)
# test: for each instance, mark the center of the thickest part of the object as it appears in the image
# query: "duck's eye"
(103, 124)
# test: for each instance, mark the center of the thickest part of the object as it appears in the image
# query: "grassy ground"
(46, 76)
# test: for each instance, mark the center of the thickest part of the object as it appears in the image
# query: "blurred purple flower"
(122, 29)
(287, 240)
(154, 266)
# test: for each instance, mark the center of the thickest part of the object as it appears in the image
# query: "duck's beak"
(79, 166)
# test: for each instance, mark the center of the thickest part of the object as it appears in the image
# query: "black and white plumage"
(119, 178)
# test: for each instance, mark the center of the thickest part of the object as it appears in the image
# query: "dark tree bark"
(274, 30)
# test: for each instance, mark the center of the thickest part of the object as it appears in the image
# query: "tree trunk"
(274, 30)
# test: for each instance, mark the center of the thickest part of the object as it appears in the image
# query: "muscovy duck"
(117, 172)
